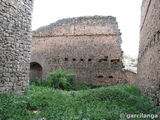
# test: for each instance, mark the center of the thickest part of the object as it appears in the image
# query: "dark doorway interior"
(35, 71)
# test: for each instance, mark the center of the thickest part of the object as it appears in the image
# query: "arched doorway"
(35, 71)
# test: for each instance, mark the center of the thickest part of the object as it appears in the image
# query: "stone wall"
(149, 50)
(130, 76)
(89, 46)
(15, 41)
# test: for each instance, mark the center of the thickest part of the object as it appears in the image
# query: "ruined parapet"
(149, 50)
(96, 25)
(15, 41)
(90, 46)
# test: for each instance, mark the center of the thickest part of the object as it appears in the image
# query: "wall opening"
(35, 71)
(66, 59)
(89, 59)
(105, 58)
(100, 60)
(74, 59)
(100, 76)
(115, 61)
(110, 76)
(81, 59)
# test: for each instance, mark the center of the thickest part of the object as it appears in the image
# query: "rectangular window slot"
(110, 76)
(89, 59)
(100, 76)
(115, 61)
(81, 60)
(66, 59)
(100, 60)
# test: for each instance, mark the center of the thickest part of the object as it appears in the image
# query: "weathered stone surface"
(130, 76)
(149, 50)
(15, 41)
(90, 46)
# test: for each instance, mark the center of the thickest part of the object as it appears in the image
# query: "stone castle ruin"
(90, 46)
(149, 50)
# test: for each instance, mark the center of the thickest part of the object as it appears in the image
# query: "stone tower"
(15, 43)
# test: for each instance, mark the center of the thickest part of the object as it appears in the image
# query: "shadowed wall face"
(15, 41)
(89, 46)
(149, 50)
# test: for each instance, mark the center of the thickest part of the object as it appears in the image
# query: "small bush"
(61, 80)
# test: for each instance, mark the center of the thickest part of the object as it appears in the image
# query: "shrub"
(61, 80)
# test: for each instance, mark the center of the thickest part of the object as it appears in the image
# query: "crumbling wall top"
(86, 25)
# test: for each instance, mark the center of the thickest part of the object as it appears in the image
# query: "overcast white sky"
(127, 13)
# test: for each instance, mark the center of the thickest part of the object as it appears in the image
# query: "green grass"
(105, 103)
